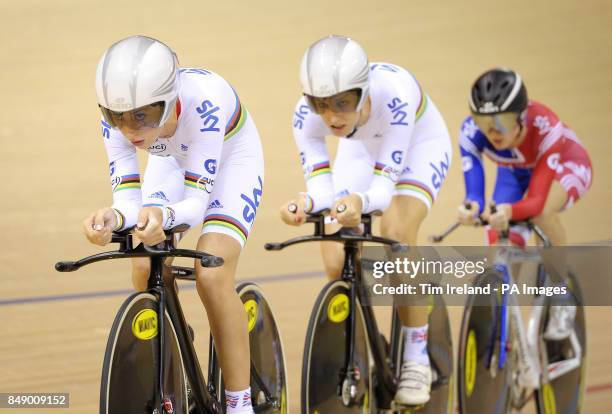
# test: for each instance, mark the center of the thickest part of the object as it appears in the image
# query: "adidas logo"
(184, 147)
(160, 195)
(215, 204)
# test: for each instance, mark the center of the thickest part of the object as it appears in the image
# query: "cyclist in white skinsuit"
(393, 155)
(205, 166)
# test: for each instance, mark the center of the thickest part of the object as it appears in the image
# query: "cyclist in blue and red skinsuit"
(543, 168)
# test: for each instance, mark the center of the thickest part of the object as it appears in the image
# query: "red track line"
(599, 388)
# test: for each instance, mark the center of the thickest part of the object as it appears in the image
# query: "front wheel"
(131, 361)
(482, 386)
(324, 381)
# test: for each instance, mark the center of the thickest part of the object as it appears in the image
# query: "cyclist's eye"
(140, 116)
(342, 104)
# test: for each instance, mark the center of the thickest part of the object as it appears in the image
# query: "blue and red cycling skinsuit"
(550, 151)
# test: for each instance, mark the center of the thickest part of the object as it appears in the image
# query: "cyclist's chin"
(342, 129)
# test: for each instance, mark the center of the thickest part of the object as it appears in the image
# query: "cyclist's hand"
(292, 212)
(347, 210)
(469, 217)
(149, 226)
(98, 227)
(500, 219)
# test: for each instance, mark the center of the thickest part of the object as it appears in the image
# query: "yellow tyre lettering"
(284, 400)
(470, 363)
(338, 308)
(548, 394)
(250, 306)
(450, 408)
(144, 324)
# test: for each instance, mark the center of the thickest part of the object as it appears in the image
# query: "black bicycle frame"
(161, 284)
(351, 274)
(200, 393)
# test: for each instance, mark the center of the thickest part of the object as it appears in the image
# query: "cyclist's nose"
(131, 133)
(334, 117)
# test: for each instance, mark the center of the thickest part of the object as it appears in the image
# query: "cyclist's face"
(142, 137)
(501, 130)
(140, 126)
(339, 112)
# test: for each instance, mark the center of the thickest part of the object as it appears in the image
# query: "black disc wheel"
(484, 387)
(131, 361)
(268, 377)
(326, 387)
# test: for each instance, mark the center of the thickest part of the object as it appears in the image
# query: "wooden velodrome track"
(53, 326)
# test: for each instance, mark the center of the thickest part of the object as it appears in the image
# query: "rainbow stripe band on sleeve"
(227, 222)
(198, 182)
(423, 103)
(131, 181)
(422, 106)
(379, 169)
(320, 169)
(236, 121)
(416, 187)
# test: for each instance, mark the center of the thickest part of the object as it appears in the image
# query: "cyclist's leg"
(140, 272)
(549, 220)
(571, 183)
(425, 167)
(561, 318)
(228, 322)
(332, 254)
(401, 222)
(230, 216)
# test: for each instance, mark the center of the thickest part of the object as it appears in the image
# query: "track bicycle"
(150, 364)
(502, 363)
(348, 366)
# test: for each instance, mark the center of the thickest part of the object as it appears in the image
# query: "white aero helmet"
(136, 72)
(333, 65)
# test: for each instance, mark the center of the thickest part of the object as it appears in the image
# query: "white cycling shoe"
(414, 386)
(560, 322)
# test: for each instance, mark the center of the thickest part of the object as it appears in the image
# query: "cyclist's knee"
(222, 277)
(404, 232)
(140, 272)
(333, 259)
(212, 280)
(403, 218)
(333, 270)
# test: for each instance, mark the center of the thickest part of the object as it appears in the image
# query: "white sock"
(415, 344)
(238, 402)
